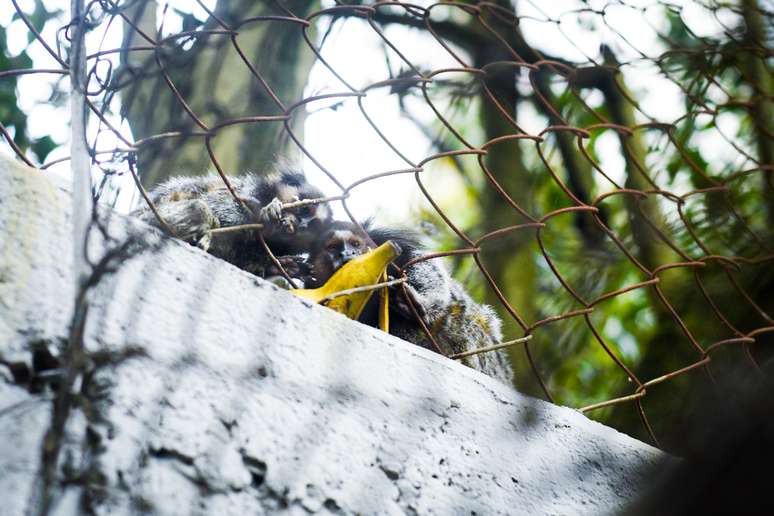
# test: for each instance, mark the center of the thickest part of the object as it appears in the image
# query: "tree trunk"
(217, 85)
(509, 259)
(650, 250)
(762, 109)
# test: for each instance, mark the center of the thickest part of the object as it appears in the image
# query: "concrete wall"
(205, 390)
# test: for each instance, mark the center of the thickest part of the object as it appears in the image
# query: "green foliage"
(11, 116)
(635, 327)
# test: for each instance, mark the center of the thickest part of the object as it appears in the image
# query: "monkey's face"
(343, 245)
(304, 219)
(311, 217)
(333, 249)
(285, 226)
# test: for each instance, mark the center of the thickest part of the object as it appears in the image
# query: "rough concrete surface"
(209, 391)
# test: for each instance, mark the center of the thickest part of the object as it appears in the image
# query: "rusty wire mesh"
(688, 246)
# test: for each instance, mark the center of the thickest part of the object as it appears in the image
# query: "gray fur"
(455, 320)
(192, 206)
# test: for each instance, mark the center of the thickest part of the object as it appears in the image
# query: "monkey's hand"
(294, 265)
(271, 214)
(191, 220)
(256, 211)
(203, 242)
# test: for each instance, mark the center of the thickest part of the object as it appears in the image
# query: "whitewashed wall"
(222, 394)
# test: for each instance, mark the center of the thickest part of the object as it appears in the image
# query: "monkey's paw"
(204, 241)
(294, 265)
(272, 212)
(281, 282)
(197, 221)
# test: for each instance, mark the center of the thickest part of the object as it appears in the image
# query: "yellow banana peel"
(367, 269)
(384, 307)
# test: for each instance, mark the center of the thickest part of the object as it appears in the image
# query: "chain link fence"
(642, 258)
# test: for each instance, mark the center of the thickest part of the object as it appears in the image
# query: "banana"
(367, 269)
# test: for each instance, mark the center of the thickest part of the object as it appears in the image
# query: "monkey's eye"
(331, 247)
(355, 243)
(306, 211)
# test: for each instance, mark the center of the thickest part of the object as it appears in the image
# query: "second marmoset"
(457, 323)
(192, 206)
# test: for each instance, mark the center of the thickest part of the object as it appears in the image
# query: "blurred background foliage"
(718, 77)
(12, 117)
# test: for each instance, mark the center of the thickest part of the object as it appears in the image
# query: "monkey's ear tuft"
(407, 239)
(368, 223)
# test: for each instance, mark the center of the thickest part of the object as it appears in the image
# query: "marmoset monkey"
(193, 206)
(456, 322)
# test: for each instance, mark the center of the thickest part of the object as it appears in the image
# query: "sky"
(342, 139)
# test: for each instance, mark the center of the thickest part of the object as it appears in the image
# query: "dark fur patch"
(405, 238)
(292, 178)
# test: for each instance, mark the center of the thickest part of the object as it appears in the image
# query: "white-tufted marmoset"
(192, 206)
(455, 320)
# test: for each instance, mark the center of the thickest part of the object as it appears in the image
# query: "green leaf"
(39, 17)
(42, 147)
